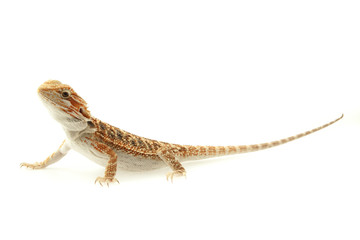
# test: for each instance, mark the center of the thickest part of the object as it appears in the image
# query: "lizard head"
(64, 104)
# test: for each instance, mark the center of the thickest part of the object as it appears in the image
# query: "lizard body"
(115, 148)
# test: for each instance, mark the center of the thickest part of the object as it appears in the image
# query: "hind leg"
(169, 157)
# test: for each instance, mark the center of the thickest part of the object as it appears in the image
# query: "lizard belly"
(124, 160)
(137, 163)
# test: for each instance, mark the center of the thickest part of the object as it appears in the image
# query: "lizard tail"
(208, 151)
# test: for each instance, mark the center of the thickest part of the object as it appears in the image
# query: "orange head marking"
(63, 102)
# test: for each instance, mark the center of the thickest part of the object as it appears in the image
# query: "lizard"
(115, 148)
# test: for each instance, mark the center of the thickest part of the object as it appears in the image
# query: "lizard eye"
(65, 94)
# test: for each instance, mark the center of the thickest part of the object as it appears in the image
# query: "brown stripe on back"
(127, 138)
(111, 133)
(275, 143)
(119, 134)
(141, 143)
(156, 144)
(133, 142)
(149, 145)
(102, 125)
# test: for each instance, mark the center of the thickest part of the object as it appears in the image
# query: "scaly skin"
(100, 140)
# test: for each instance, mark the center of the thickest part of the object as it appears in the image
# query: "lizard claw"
(171, 175)
(32, 165)
(106, 180)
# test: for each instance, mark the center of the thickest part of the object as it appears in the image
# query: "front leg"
(56, 156)
(111, 166)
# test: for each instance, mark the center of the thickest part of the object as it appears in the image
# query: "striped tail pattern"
(208, 151)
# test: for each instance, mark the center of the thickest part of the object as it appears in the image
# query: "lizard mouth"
(49, 103)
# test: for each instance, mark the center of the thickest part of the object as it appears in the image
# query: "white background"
(190, 72)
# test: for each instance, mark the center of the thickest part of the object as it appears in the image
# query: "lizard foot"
(171, 175)
(106, 180)
(36, 165)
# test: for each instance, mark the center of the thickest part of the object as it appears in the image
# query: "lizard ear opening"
(91, 124)
(85, 112)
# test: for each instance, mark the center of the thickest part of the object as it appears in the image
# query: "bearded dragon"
(114, 148)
